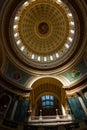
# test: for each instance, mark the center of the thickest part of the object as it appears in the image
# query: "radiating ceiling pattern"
(44, 32)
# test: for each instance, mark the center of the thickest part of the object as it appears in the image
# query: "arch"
(64, 81)
(47, 86)
(35, 79)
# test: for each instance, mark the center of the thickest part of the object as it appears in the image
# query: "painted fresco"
(77, 71)
(16, 74)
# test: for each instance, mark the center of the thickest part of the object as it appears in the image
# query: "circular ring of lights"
(43, 31)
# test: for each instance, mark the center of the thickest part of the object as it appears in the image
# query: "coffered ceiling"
(43, 38)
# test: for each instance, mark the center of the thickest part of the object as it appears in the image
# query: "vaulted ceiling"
(43, 39)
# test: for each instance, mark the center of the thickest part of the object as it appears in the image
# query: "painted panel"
(77, 71)
(16, 75)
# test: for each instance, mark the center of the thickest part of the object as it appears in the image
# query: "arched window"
(47, 101)
(47, 105)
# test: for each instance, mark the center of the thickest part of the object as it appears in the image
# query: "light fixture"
(18, 42)
(59, 1)
(67, 45)
(32, 56)
(70, 39)
(45, 58)
(57, 55)
(51, 57)
(71, 22)
(16, 18)
(26, 4)
(15, 26)
(16, 35)
(72, 31)
(38, 58)
(70, 14)
(22, 48)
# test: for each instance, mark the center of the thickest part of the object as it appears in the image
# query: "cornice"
(76, 88)
(14, 89)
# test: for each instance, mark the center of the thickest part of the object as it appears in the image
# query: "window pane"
(43, 98)
(51, 103)
(51, 97)
(43, 104)
(47, 97)
(47, 102)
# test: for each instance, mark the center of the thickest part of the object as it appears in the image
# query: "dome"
(43, 64)
(44, 32)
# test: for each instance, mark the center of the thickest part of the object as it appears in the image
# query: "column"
(14, 109)
(83, 105)
(63, 110)
(40, 118)
(57, 116)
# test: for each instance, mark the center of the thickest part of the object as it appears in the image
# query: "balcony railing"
(51, 120)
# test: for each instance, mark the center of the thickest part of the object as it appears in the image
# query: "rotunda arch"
(47, 86)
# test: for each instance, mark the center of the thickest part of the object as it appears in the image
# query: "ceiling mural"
(16, 75)
(77, 71)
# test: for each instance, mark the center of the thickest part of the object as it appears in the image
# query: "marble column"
(14, 109)
(83, 105)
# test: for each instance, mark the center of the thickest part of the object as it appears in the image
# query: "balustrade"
(45, 120)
